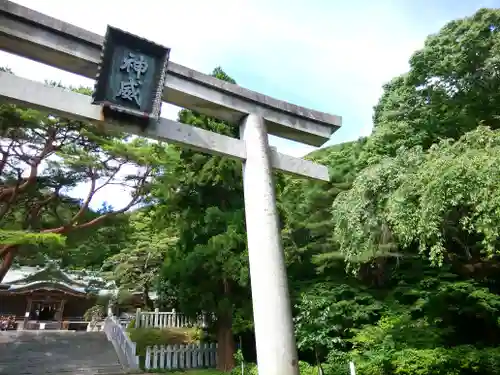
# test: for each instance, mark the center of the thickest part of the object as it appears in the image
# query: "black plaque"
(130, 77)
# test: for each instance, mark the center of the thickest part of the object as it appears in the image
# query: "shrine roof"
(51, 277)
(47, 286)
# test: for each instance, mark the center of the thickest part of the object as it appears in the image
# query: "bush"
(198, 372)
(459, 360)
(145, 337)
(96, 312)
(455, 361)
(125, 299)
(305, 369)
(189, 372)
(250, 369)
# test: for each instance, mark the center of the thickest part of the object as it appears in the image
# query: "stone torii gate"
(39, 37)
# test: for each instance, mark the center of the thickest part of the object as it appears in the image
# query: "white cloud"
(328, 54)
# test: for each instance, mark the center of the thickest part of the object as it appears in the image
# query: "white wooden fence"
(174, 357)
(124, 323)
(125, 348)
(159, 319)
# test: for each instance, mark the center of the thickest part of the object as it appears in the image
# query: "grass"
(199, 372)
(192, 372)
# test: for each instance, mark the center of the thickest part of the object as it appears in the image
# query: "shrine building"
(48, 297)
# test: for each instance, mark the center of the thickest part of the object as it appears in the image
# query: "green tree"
(304, 204)
(208, 269)
(89, 248)
(137, 265)
(328, 312)
(45, 156)
(417, 222)
(451, 87)
(441, 202)
(433, 321)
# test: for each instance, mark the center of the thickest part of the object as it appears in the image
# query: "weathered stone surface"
(37, 95)
(62, 352)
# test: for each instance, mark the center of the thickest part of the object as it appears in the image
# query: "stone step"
(75, 371)
(56, 352)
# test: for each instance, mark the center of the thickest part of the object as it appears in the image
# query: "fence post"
(213, 354)
(147, 360)
(138, 318)
(169, 362)
(133, 352)
(157, 318)
(155, 357)
(174, 318)
(162, 356)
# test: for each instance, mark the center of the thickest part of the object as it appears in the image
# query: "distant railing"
(176, 357)
(125, 348)
(159, 319)
(124, 322)
(95, 326)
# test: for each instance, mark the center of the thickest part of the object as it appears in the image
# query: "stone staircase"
(57, 352)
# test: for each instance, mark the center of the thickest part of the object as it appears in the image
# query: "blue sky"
(330, 55)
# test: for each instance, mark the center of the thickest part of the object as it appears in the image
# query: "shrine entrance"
(43, 310)
(51, 309)
(46, 311)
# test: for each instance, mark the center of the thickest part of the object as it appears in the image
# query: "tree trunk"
(7, 259)
(225, 340)
(226, 346)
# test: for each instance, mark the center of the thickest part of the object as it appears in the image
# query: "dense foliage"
(393, 264)
(416, 225)
(208, 269)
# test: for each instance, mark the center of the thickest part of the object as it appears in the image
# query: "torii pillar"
(273, 321)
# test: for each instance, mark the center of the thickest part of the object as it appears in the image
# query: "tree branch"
(5, 249)
(7, 205)
(48, 148)
(68, 228)
(5, 156)
(86, 202)
(111, 177)
(99, 219)
(33, 212)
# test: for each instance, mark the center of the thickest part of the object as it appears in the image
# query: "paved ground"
(57, 352)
